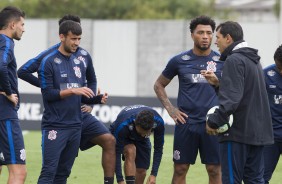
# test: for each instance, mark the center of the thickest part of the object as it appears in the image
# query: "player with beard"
(62, 79)
(12, 149)
(195, 98)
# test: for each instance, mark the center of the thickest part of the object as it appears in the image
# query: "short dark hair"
(145, 119)
(278, 54)
(204, 20)
(232, 28)
(74, 18)
(70, 26)
(8, 14)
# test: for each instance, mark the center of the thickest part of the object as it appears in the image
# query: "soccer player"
(195, 98)
(273, 80)
(62, 79)
(132, 128)
(242, 93)
(12, 149)
(93, 131)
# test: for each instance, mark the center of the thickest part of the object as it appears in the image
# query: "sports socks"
(130, 179)
(108, 180)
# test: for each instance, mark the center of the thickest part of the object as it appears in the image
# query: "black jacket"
(242, 93)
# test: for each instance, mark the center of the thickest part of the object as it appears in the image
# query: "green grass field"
(87, 168)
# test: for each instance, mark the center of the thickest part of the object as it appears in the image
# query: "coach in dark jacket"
(242, 93)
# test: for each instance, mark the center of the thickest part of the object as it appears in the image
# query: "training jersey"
(123, 128)
(8, 78)
(195, 95)
(58, 72)
(273, 80)
(32, 65)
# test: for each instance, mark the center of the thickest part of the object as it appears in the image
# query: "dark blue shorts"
(271, 155)
(189, 139)
(143, 153)
(241, 162)
(12, 150)
(59, 150)
(91, 128)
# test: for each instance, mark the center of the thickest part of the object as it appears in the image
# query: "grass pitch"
(87, 168)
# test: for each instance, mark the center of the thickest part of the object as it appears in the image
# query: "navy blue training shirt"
(195, 95)
(32, 65)
(58, 72)
(122, 129)
(273, 81)
(8, 78)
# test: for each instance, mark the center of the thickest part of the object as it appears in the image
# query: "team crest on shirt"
(271, 73)
(211, 66)
(185, 57)
(82, 59)
(2, 158)
(176, 155)
(52, 135)
(83, 52)
(76, 61)
(277, 99)
(57, 60)
(22, 155)
(215, 58)
(77, 71)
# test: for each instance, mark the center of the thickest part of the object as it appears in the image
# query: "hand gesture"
(86, 108)
(151, 180)
(84, 91)
(177, 115)
(210, 77)
(104, 97)
(210, 130)
(13, 98)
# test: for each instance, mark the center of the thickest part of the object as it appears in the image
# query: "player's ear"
(62, 37)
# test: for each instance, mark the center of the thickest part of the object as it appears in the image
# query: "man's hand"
(84, 91)
(177, 115)
(210, 77)
(210, 131)
(151, 180)
(86, 108)
(104, 97)
(13, 98)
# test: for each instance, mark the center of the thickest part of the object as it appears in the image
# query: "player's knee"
(18, 175)
(107, 141)
(181, 169)
(214, 170)
(130, 152)
(141, 173)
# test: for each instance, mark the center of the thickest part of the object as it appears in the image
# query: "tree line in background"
(115, 9)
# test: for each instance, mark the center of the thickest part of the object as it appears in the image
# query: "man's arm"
(4, 74)
(25, 72)
(159, 88)
(158, 146)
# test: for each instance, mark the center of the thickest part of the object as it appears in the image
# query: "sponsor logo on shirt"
(215, 58)
(57, 60)
(23, 154)
(76, 61)
(277, 99)
(2, 158)
(185, 57)
(83, 52)
(77, 71)
(271, 73)
(52, 135)
(176, 155)
(272, 86)
(211, 66)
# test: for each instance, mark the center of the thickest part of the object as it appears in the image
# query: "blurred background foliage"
(115, 9)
